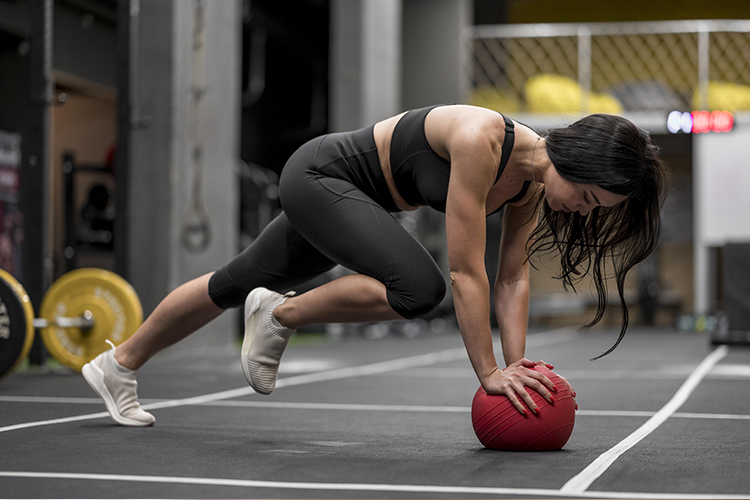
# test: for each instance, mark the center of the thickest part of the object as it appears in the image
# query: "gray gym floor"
(665, 416)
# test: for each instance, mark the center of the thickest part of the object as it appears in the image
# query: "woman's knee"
(418, 299)
(221, 291)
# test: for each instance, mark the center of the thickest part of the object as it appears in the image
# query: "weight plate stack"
(16, 323)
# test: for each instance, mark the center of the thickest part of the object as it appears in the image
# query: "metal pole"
(584, 65)
(701, 252)
(71, 248)
(37, 264)
(704, 55)
(702, 262)
(127, 26)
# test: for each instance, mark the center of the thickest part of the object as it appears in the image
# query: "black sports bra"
(420, 174)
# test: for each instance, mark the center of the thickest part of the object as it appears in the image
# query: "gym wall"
(163, 169)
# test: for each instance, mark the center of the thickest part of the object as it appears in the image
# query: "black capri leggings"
(336, 210)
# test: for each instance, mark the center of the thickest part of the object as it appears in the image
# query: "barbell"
(80, 311)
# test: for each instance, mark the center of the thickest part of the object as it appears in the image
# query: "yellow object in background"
(113, 303)
(552, 94)
(548, 93)
(604, 103)
(724, 96)
(495, 99)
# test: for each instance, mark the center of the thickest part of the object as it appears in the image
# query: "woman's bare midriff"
(383, 132)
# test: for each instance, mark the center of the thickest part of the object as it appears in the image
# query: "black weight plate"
(16, 323)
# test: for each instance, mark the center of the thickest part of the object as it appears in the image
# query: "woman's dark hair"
(612, 153)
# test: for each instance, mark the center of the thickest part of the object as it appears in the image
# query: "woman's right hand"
(513, 380)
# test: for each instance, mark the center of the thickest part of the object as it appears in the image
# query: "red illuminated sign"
(700, 122)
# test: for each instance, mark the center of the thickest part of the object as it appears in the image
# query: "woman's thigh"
(350, 228)
(279, 259)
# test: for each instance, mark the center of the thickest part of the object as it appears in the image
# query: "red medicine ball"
(500, 426)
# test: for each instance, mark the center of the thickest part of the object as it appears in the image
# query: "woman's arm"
(466, 235)
(512, 284)
(473, 164)
(473, 156)
(512, 280)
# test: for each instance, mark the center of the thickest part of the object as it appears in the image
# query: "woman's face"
(562, 194)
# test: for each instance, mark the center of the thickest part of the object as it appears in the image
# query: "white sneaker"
(116, 385)
(265, 340)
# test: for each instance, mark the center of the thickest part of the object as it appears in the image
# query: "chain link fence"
(611, 67)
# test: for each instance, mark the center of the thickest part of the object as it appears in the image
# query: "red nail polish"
(552, 399)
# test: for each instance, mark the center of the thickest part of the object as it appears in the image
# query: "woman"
(599, 182)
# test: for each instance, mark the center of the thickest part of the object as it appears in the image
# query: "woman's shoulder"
(465, 123)
(467, 112)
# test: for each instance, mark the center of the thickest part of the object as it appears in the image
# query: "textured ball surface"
(499, 426)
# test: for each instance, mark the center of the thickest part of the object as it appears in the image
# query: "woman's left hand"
(565, 381)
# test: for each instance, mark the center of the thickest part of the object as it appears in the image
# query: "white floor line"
(49, 400)
(630, 413)
(536, 340)
(717, 416)
(454, 409)
(65, 420)
(57, 400)
(719, 372)
(581, 482)
(344, 407)
(549, 337)
(400, 488)
(369, 407)
(397, 364)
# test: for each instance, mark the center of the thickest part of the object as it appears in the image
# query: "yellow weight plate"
(115, 306)
(16, 323)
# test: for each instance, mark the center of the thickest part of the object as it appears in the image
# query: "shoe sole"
(252, 304)
(95, 378)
